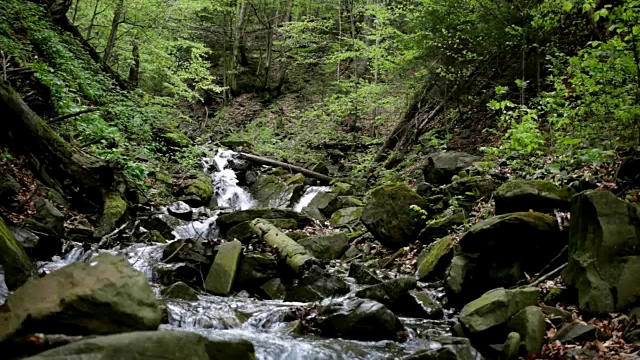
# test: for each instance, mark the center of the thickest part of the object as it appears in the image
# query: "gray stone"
(417, 304)
(244, 233)
(359, 319)
(441, 167)
(530, 324)
(17, 266)
(103, 296)
(189, 250)
(255, 269)
(346, 217)
(511, 346)
(362, 275)
(196, 192)
(350, 201)
(342, 189)
(496, 308)
(326, 247)
(270, 191)
(223, 270)
(316, 284)
(577, 333)
(388, 292)
(49, 216)
(227, 221)
(180, 291)
(432, 264)
(274, 289)
(441, 227)
(326, 203)
(166, 345)
(460, 350)
(389, 217)
(181, 211)
(604, 252)
(538, 195)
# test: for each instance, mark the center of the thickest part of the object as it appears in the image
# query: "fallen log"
(292, 168)
(294, 254)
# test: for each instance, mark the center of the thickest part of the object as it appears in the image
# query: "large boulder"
(361, 274)
(326, 203)
(166, 345)
(50, 219)
(498, 252)
(227, 221)
(315, 285)
(347, 217)
(14, 260)
(196, 192)
(389, 217)
(441, 167)
(326, 247)
(433, 263)
(359, 319)
(495, 308)
(255, 269)
(388, 292)
(270, 191)
(604, 252)
(103, 296)
(538, 195)
(530, 324)
(223, 270)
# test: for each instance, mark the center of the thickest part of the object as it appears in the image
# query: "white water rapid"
(225, 183)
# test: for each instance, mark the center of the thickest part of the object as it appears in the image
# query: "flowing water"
(264, 323)
(308, 195)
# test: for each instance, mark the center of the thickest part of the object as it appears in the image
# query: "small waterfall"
(309, 195)
(225, 183)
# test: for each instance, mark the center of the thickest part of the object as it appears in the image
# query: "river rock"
(42, 247)
(417, 304)
(442, 166)
(326, 203)
(511, 346)
(274, 289)
(360, 319)
(441, 227)
(166, 345)
(343, 189)
(459, 349)
(472, 188)
(433, 263)
(271, 192)
(499, 251)
(196, 192)
(530, 324)
(14, 260)
(181, 211)
(196, 251)
(361, 274)
(350, 201)
(326, 247)
(181, 291)
(227, 221)
(163, 223)
(255, 269)
(316, 284)
(103, 296)
(604, 252)
(243, 231)
(538, 195)
(347, 217)
(171, 273)
(577, 333)
(50, 217)
(495, 308)
(223, 270)
(389, 217)
(388, 292)
(152, 236)
(9, 188)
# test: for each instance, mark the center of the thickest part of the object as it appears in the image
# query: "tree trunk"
(118, 14)
(134, 70)
(92, 21)
(293, 168)
(237, 37)
(294, 254)
(85, 179)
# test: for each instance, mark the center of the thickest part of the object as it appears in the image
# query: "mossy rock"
(297, 179)
(244, 233)
(114, 209)
(14, 260)
(180, 291)
(433, 264)
(201, 188)
(538, 195)
(343, 189)
(271, 192)
(176, 139)
(326, 247)
(152, 236)
(346, 217)
(227, 221)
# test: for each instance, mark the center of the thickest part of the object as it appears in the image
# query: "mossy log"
(14, 260)
(294, 254)
(82, 177)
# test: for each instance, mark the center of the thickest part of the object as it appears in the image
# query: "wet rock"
(190, 250)
(556, 315)
(351, 252)
(471, 188)
(577, 333)
(388, 292)
(362, 275)
(162, 223)
(511, 346)
(604, 252)
(180, 291)
(496, 308)
(14, 260)
(166, 345)
(297, 179)
(441, 167)
(244, 233)
(250, 178)
(326, 247)
(538, 195)
(360, 319)
(315, 285)
(104, 296)
(152, 236)
(181, 211)
(274, 289)
(255, 269)
(326, 203)
(223, 270)
(347, 217)
(227, 221)
(49, 216)
(271, 192)
(57, 198)
(168, 274)
(432, 264)
(41, 247)
(343, 189)
(350, 201)
(82, 233)
(441, 227)
(196, 192)
(460, 350)
(530, 324)
(388, 215)
(499, 251)
(417, 304)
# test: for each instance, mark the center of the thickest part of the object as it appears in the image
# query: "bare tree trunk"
(283, 53)
(118, 15)
(134, 71)
(237, 37)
